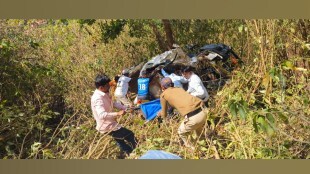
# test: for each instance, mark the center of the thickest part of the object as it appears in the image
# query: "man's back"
(196, 87)
(181, 100)
(122, 86)
(143, 86)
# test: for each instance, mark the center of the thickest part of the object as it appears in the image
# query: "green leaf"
(306, 101)
(269, 130)
(56, 113)
(48, 153)
(245, 106)
(240, 28)
(233, 109)
(262, 123)
(203, 149)
(241, 112)
(272, 72)
(202, 142)
(270, 118)
(288, 64)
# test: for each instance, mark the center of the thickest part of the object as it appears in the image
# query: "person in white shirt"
(122, 89)
(195, 85)
(176, 79)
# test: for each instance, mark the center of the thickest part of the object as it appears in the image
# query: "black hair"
(169, 69)
(116, 78)
(143, 73)
(178, 72)
(187, 69)
(126, 74)
(101, 80)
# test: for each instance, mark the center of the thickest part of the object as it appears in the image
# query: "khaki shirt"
(179, 99)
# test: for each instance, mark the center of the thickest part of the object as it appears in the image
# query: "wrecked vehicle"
(212, 63)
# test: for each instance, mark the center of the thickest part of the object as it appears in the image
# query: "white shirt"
(177, 80)
(122, 86)
(196, 88)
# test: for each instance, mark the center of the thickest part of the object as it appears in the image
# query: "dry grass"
(75, 56)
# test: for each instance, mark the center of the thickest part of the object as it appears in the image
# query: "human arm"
(164, 73)
(183, 79)
(119, 106)
(164, 107)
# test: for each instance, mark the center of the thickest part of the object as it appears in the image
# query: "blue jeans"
(125, 139)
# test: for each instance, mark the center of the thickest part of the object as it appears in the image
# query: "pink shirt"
(102, 108)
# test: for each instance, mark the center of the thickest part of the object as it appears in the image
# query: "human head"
(116, 78)
(125, 72)
(169, 69)
(166, 83)
(187, 72)
(143, 73)
(102, 83)
(178, 71)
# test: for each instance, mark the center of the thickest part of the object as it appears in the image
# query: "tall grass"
(47, 74)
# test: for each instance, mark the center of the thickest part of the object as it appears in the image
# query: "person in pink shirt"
(102, 108)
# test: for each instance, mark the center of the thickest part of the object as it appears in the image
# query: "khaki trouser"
(193, 123)
(124, 100)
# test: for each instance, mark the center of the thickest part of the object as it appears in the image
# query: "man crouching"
(192, 108)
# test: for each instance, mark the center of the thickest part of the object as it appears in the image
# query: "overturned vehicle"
(212, 63)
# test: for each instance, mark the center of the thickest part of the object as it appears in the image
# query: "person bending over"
(195, 85)
(122, 89)
(191, 108)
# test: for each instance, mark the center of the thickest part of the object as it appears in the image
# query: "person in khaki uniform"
(192, 108)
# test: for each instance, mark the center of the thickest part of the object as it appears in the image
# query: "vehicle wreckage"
(213, 63)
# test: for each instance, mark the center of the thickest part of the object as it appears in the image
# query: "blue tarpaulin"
(150, 109)
(159, 154)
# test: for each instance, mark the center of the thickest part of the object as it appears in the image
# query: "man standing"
(102, 108)
(195, 85)
(122, 89)
(192, 108)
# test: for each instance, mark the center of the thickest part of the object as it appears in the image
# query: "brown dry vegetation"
(47, 69)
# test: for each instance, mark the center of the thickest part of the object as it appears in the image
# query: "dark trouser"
(121, 135)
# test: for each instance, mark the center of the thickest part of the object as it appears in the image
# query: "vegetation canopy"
(47, 71)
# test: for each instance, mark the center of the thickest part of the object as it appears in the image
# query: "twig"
(22, 147)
